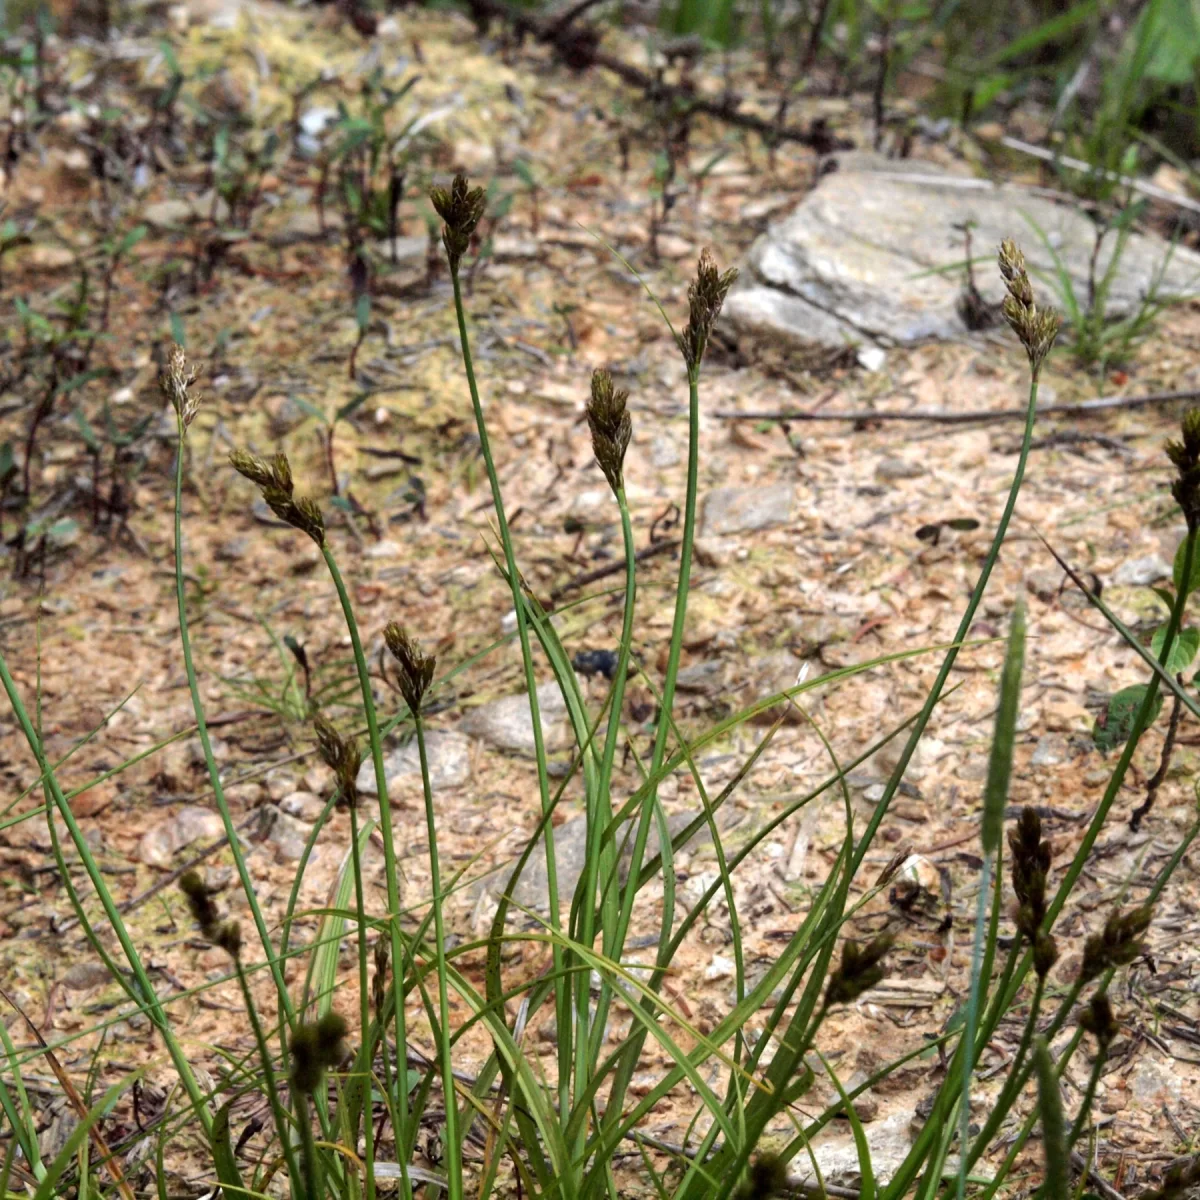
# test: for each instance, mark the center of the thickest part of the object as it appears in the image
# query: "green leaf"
(1113, 727)
(1177, 570)
(311, 409)
(131, 239)
(177, 333)
(351, 407)
(1000, 763)
(223, 1157)
(963, 524)
(362, 312)
(86, 431)
(8, 461)
(1183, 648)
(524, 172)
(1057, 1185)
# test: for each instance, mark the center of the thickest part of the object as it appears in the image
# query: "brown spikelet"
(1118, 944)
(461, 207)
(860, 970)
(608, 419)
(176, 382)
(1037, 328)
(1185, 456)
(416, 669)
(274, 480)
(706, 295)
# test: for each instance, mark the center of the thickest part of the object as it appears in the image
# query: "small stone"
(304, 806)
(85, 975)
(1155, 1084)
(449, 756)
(899, 468)
(720, 968)
(280, 782)
(664, 452)
(287, 835)
(168, 214)
(703, 678)
(507, 725)
(744, 510)
(190, 824)
(1048, 752)
(233, 550)
(1141, 572)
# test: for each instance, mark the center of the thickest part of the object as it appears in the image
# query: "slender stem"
(972, 1016)
(214, 775)
(366, 1054)
(282, 1125)
(561, 991)
(585, 1063)
(1089, 1095)
(964, 627)
(391, 871)
(308, 1147)
(453, 1149)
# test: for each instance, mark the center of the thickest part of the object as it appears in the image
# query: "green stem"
(391, 871)
(964, 627)
(453, 1149)
(366, 1054)
(214, 775)
(972, 1017)
(562, 992)
(308, 1148)
(282, 1124)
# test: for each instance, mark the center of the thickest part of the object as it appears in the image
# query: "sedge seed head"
(461, 208)
(1185, 456)
(1118, 944)
(416, 669)
(860, 970)
(766, 1179)
(609, 421)
(274, 480)
(1031, 856)
(706, 296)
(176, 382)
(316, 1046)
(226, 935)
(343, 756)
(1099, 1020)
(1036, 328)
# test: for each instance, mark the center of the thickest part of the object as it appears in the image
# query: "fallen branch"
(612, 568)
(578, 46)
(944, 416)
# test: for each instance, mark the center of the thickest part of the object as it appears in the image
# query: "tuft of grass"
(350, 1106)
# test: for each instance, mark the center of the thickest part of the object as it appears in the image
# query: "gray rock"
(190, 824)
(1155, 1084)
(1141, 572)
(888, 1141)
(859, 260)
(449, 757)
(664, 452)
(285, 834)
(702, 677)
(506, 724)
(84, 975)
(743, 510)
(1049, 751)
(167, 214)
(898, 468)
(233, 550)
(570, 856)
(304, 806)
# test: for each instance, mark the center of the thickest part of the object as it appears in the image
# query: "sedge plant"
(554, 1126)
